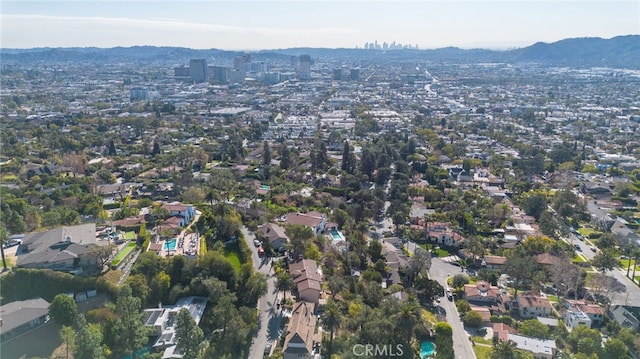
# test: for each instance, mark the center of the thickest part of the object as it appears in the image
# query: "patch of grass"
(552, 298)
(578, 259)
(124, 252)
(482, 352)
(482, 340)
(625, 262)
(586, 231)
(9, 178)
(233, 257)
(429, 317)
(637, 279)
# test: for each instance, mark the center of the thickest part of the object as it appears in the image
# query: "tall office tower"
(337, 74)
(242, 62)
(138, 93)
(354, 75)
(198, 70)
(218, 74)
(305, 67)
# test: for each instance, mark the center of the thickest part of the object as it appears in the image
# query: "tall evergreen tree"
(131, 334)
(346, 158)
(285, 157)
(266, 154)
(189, 335)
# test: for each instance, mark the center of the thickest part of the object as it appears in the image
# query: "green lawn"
(481, 340)
(552, 298)
(233, 257)
(578, 259)
(585, 231)
(625, 262)
(637, 279)
(124, 252)
(482, 352)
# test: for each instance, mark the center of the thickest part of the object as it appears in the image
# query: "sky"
(267, 24)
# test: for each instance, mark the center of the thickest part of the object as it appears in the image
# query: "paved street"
(632, 293)
(440, 271)
(269, 315)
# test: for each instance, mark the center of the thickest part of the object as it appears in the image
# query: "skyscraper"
(198, 70)
(305, 67)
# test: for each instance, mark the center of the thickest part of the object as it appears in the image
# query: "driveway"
(269, 315)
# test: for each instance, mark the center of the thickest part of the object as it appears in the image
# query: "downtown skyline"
(256, 25)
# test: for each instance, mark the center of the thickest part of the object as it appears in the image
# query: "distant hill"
(618, 52)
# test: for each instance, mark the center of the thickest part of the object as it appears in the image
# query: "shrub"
(473, 319)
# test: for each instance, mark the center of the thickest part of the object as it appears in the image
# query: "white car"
(256, 243)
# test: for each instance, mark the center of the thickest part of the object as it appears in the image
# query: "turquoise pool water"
(336, 235)
(427, 349)
(169, 245)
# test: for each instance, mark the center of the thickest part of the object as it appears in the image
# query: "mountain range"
(616, 52)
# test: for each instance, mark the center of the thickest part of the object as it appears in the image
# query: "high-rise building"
(181, 72)
(354, 74)
(198, 70)
(305, 67)
(337, 74)
(218, 74)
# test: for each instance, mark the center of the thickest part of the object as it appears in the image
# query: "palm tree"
(284, 283)
(505, 349)
(332, 320)
(407, 318)
(211, 198)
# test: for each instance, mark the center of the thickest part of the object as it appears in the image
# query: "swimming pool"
(427, 349)
(336, 235)
(169, 245)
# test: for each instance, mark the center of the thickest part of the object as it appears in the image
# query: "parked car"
(256, 243)
(449, 295)
(593, 249)
(577, 247)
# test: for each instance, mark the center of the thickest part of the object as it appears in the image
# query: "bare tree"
(603, 285)
(567, 277)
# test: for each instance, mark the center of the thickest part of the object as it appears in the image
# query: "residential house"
(275, 235)
(307, 279)
(443, 235)
(21, 316)
(596, 189)
(531, 305)
(484, 312)
(494, 262)
(314, 220)
(580, 312)
(482, 293)
(547, 259)
(163, 320)
(623, 234)
(68, 249)
(624, 317)
(177, 209)
(540, 348)
(501, 331)
(395, 259)
(299, 341)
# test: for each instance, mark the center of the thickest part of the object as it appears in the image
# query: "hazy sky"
(266, 24)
